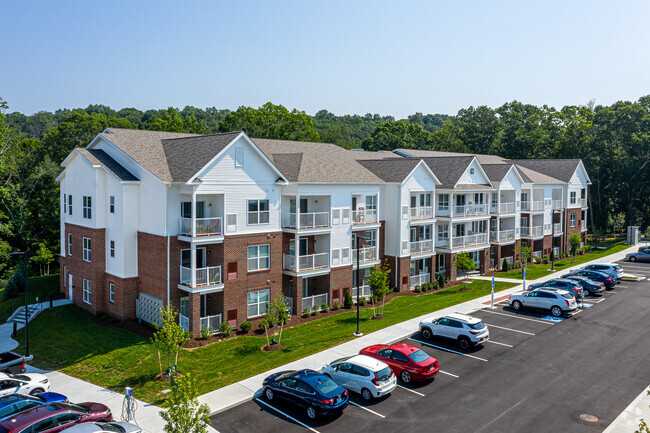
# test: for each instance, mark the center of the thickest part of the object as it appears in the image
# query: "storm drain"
(589, 418)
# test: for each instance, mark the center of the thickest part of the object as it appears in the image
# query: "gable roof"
(556, 169)
(449, 169)
(99, 157)
(391, 169)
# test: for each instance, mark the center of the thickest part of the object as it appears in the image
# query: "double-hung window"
(443, 201)
(87, 291)
(111, 292)
(111, 204)
(443, 232)
(573, 197)
(573, 220)
(258, 212)
(112, 249)
(87, 207)
(65, 204)
(257, 302)
(69, 244)
(259, 257)
(69, 204)
(87, 249)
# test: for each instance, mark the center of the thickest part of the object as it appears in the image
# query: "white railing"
(510, 259)
(423, 246)
(442, 241)
(211, 323)
(537, 254)
(531, 231)
(537, 205)
(204, 276)
(502, 235)
(548, 228)
(314, 301)
(507, 207)
(418, 280)
(308, 220)
(471, 240)
(364, 216)
(470, 210)
(184, 321)
(556, 251)
(525, 206)
(366, 254)
(204, 226)
(583, 202)
(421, 212)
(556, 204)
(557, 227)
(306, 263)
(364, 293)
(583, 225)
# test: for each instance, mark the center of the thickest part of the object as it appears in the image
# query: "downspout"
(168, 241)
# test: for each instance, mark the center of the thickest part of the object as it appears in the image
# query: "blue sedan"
(594, 275)
(13, 404)
(309, 389)
(614, 271)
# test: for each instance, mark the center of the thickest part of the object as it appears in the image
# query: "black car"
(309, 389)
(587, 284)
(570, 286)
(595, 276)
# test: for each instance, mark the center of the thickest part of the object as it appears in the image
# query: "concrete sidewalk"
(237, 393)
(7, 343)
(628, 420)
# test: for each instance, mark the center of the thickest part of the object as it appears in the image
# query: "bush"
(434, 285)
(14, 286)
(418, 289)
(362, 301)
(306, 312)
(545, 260)
(315, 310)
(441, 280)
(324, 308)
(263, 325)
(335, 305)
(347, 302)
(246, 326)
(225, 329)
(205, 333)
(505, 267)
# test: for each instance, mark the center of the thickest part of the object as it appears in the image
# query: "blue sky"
(387, 57)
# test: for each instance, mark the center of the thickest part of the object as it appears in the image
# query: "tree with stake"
(168, 337)
(185, 414)
(574, 243)
(379, 288)
(277, 314)
(524, 255)
(464, 263)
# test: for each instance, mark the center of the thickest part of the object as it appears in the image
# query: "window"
(65, 204)
(86, 249)
(69, 244)
(111, 292)
(112, 249)
(232, 270)
(443, 201)
(111, 204)
(69, 204)
(371, 202)
(258, 257)
(87, 207)
(573, 220)
(495, 199)
(239, 157)
(87, 291)
(443, 232)
(573, 197)
(258, 211)
(257, 302)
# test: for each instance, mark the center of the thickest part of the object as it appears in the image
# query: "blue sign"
(524, 273)
(492, 283)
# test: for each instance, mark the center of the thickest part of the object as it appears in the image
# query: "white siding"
(476, 178)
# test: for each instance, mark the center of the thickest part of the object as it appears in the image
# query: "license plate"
(431, 367)
(338, 400)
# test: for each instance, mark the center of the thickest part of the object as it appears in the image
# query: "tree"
(574, 243)
(185, 414)
(397, 134)
(379, 287)
(524, 255)
(171, 120)
(15, 285)
(464, 263)
(43, 258)
(169, 337)
(277, 313)
(348, 302)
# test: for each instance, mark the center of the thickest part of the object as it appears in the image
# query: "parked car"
(362, 374)
(595, 276)
(310, 389)
(557, 301)
(11, 362)
(104, 427)
(642, 256)
(55, 417)
(28, 383)
(13, 404)
(408, 362)
(614, 271)
(587, 284)
(644, 248)
(573, 287)
(466, 330)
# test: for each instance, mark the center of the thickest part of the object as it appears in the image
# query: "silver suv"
(557, 301)
(466, 330)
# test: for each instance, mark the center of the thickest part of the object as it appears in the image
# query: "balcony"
(366, 254)
(583, 202)
(421, 213)
(556, 204)
(307, 220)
(420, 247)
(418, 280)
(364, 292)
(502, 235)
(531, 232)
(203, 227)
(583, 225)
(210, 275)
(532, 206)
(310, 302)
(470, 210)
(308, 262)
(364, 216)
(211, 323)
(548, 229)
(537, 254)
(469, 241)
(503, 207)
(557, 228)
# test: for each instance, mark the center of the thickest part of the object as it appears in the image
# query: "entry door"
(70, 286)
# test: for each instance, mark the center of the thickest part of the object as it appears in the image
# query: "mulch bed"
(272, 348)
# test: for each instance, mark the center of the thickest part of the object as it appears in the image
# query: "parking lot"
(536, 374)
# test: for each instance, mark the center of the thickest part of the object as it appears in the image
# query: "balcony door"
(304, 247)
(186, 209)
(478, 198)
(419, 267)
(460, 200)
(303, 205)
(186, 258)
(460, 230)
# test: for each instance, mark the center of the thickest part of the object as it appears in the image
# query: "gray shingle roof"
(99, 157)
(496, 172)
(550, 169)
(391, 169)
(448, 169)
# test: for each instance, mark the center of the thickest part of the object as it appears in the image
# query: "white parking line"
(593, 301)
(517, 317)
(365, 408)
(509, 329)
(448, 374)
(501, 344)
(414, 392)
(449, 350)
(288, 416)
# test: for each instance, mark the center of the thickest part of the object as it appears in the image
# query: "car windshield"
(110, 427)
(18, 377)
(418, 356)
(478, 325)
(567, 296)
(326, 386)
(589, 281)
(617, 267)
(383, 374)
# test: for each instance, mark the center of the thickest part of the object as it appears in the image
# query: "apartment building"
(217, 225)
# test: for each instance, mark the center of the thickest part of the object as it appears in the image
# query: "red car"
(408, 362)
(55, 417)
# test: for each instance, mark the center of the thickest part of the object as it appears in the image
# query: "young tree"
(574, 244)
(464, 263)
(277, 313)
(524, 255)
(379, 287)
(185, 414)
(43, 258)
(168, 337)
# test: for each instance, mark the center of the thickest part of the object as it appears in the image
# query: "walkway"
(7, 343)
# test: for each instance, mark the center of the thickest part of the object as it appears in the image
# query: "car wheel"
(516, 305)
(268, 393)
(311, 412)
(556, 311)
(406, 377)
(633, 259)
(366, 394)
(464, 343)
(36, 391)
(426, 333)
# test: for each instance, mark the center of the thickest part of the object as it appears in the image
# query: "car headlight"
(44, 381)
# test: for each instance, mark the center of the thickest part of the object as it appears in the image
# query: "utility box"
(632, 235)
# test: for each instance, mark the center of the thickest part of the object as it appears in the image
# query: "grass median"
(66, 339)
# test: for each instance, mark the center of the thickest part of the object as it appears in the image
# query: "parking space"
(506, 384)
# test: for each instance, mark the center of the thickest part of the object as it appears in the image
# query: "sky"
(348, 57)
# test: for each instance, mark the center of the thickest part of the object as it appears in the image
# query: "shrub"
(505, 267)
(441, 280)
(418, 289)
(434, 285)
(246, 326)
(306, 312)
(335, 305)
(545, 260)
(225, 329)
(324, 308)
(263, 325)
(347, 302)
(205, 333)
(362, 301)
(315, 310)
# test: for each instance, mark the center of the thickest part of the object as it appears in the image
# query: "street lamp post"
(553, 212)
(359, 240)
(24, 254)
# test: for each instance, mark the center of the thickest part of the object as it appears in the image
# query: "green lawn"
(534, 272)
(64, 338)
(40, 287)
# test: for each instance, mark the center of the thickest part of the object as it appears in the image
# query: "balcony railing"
(421, 212)
(418, 280)
(306, 263)
(364, 216)
(503, 207)
(470, 210)
(366, 254)
(557, 227)
(583, 225)
(556, 251)
(314, 301)
(204, 226)
(502, 235)
(423, 246)
(308, 220)
(364, 293)
(556, 204)
(468, 241)
(204, 276)
(548, 228)
(531, 231)
(510, 259)
(184, 321)
(211, 323)
(537, 254)
(534, 206)
(583, 202)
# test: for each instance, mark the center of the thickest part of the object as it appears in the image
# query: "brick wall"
(571, 230)
(341, 280)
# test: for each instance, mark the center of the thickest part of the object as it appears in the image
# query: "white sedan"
(29, 383)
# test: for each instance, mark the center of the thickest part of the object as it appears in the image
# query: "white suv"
(362, 374)
(466, 330)
(558, 301)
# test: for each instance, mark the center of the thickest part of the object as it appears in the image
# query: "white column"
(297, 249)
(498, 193)
(297, 217)
(193, 214)
(193, 259)
(451, 204)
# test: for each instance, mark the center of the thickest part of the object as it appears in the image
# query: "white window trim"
(70, 204)
(111, 292)
(573, 219)
(573, 197)
(87, 251)
(111, 249)
(87, 292)
(87, 209)
(111, 204)
(69, 244)
(258, 212)
(65, 204)
(258, 304)
(258, 257)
